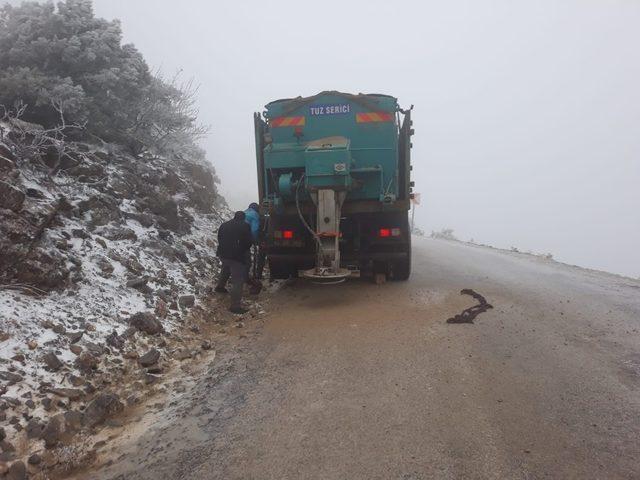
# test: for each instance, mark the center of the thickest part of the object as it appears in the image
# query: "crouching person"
(234, 242)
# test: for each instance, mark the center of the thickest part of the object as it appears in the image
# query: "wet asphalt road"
(361, 381)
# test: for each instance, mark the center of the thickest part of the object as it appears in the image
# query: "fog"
(527, 114)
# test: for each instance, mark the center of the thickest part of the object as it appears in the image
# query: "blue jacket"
(253, 219)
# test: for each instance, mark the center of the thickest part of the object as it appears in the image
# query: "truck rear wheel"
(402, 269)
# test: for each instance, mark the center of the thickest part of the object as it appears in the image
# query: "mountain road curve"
(365, 381)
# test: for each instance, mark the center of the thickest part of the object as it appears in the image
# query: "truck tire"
(402, 268)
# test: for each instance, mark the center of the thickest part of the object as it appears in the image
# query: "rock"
(132, 355)
(187, 301)
(32, 344)
(34, 193)
(35, 428)
(133, 265)
(206, 345)
(6, 165)
(105, 266)
(150, 379)
(166, 209)
(143, 219)
(138, 283)
(34, 459)
(18, 357)
(53, 431)
(7, 153)
(104, 209)
(48, 324)
(115, 341)
(99, 444)
(59, 329)
(102, 407)
(11, 198)
(101, 242)
(129, 333)
(74, 337)
(17, 471)
(114, 423)
(181, 255)
(73, 420)
(95, 349)
(161, 309)
(120, 233)
(10, 377)
(80, 233)
(75, 349)
(47, 403)
(182, 354)
(45, 268)
(165, 235)
(146, 322)
(3, 434)
(52, 362)
(76, 381)
(86, 362)
(7, 446)
(150, 358)
(70, 393)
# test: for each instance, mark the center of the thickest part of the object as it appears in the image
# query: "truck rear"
(334, 184)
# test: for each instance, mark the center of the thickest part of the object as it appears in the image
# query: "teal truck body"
(334, 184)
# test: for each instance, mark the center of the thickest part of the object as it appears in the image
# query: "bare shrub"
(444, 234)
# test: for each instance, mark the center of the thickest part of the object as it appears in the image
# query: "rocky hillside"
(101, 253)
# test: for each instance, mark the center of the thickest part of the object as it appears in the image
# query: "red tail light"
(389, 232)
(285, 234)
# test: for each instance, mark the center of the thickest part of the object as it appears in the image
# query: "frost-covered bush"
(69, 67)
(444, 234)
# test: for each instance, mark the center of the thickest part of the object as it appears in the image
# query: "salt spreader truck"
(334, 179)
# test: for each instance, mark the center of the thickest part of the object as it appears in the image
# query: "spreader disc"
(326, 276)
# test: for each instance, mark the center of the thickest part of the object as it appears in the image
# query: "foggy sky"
(527, 114)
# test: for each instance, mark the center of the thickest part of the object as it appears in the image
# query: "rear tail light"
(285, 234)
(389, 232)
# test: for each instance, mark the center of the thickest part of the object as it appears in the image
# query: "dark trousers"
(261, 259)
(237, 271)
(256, 259)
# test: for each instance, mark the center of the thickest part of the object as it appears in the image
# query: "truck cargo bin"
(334, 171)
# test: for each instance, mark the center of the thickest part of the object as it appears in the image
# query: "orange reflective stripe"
(374, 117)
(288, 122)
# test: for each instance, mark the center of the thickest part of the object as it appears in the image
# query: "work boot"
(221, 290)
(238, 310)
